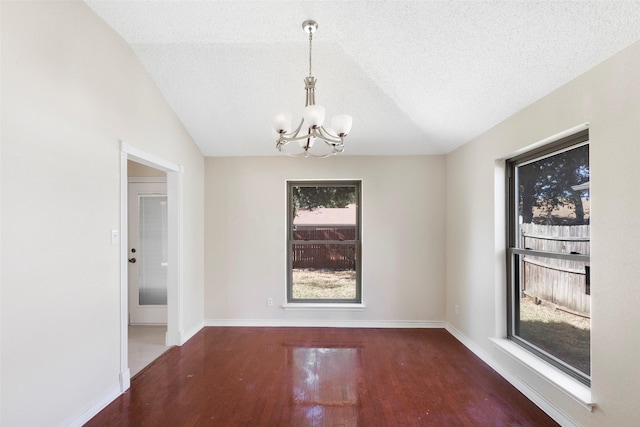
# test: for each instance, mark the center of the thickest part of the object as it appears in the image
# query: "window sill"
(323, 306)
(570, 386)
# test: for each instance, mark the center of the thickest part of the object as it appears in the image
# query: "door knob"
(132, 260)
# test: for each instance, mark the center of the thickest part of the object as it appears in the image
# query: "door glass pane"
(553, 310)
(153, 250)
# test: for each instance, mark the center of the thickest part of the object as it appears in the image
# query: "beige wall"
(135, 169)
(402, 235)
(71, 88)
(608, 97)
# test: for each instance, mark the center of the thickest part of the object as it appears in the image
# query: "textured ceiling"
(418, 77)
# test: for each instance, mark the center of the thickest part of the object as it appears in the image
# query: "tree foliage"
(546, 184)
(322, 197)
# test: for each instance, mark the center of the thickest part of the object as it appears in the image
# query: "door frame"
(175, 328)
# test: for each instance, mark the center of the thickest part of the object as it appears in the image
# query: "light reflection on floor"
(325, 384)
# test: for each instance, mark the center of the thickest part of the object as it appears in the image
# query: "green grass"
(563, 335)
(324, 284)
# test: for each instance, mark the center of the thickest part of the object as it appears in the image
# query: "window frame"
(513, 252)
(357, 185)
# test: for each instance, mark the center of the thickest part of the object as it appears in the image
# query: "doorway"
(164, 205)
(148, 262)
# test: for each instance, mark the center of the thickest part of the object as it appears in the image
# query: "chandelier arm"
(320, 156)
(297, 130)
(302, 154)
(307, 153)
(297, 138)
(330, 144)
(327, 136)
(319, 133)
(335, 148)
(292, 134)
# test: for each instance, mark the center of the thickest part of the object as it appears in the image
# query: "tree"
(322, 197)
(546, 184)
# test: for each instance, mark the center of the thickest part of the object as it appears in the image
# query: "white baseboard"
(95, 407)
(553, 411)
(124, 384)
(125, 380)
(327, 323)
(186, 336)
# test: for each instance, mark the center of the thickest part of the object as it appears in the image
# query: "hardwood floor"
(320, 377)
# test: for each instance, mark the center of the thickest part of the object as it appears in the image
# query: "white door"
(147, 253)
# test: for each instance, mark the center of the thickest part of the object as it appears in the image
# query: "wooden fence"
(330, 256)
(561, 282)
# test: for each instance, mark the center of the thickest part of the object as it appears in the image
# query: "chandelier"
(330, 140)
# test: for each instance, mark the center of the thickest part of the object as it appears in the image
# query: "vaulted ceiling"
(418, 77)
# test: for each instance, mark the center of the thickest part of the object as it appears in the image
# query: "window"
(323, 242)
(548, 254)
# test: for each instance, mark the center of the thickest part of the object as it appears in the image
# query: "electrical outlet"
(455, 308)
(269, 302)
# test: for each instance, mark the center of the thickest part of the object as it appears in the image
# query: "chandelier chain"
(310, 39)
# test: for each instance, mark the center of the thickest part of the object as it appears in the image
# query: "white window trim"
(324, 306)
(563, 382)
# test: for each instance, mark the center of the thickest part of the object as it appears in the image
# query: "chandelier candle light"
(312, 120)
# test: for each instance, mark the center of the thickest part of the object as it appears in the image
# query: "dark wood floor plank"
(320, 377)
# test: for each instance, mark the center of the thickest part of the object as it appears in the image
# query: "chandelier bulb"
(282, 122)
(341, 124)
(314, 116)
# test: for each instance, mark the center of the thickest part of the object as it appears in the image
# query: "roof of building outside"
(326, 216)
